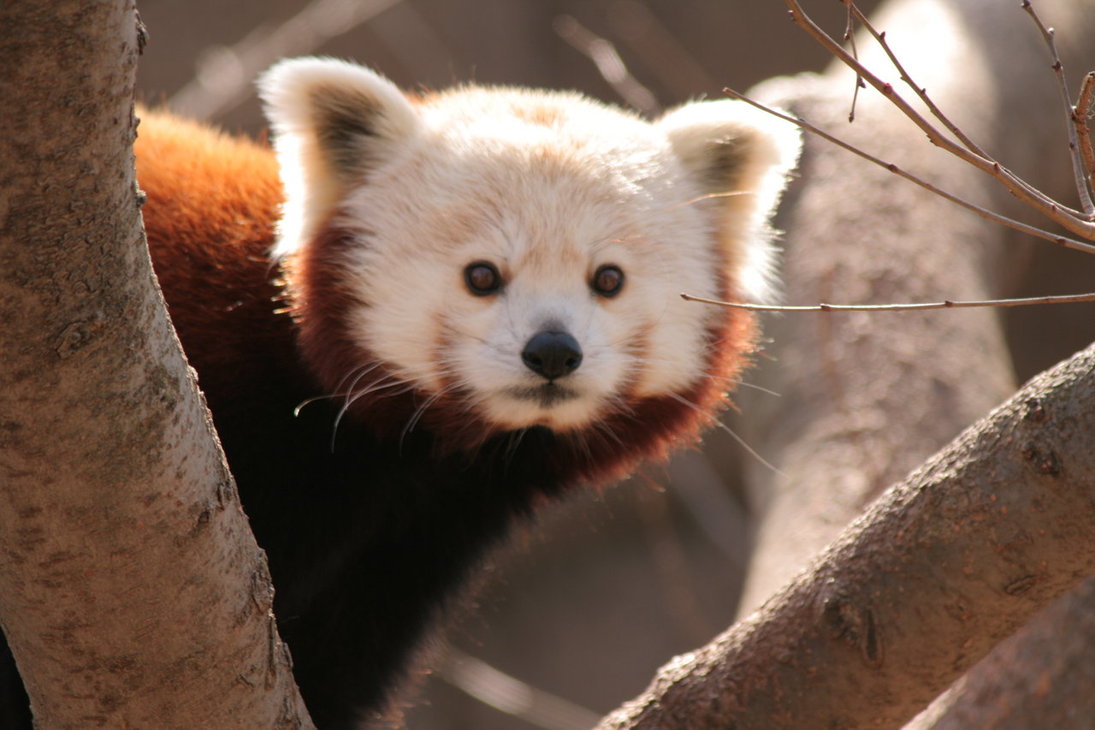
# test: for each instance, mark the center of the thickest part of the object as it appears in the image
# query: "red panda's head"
(497, 258)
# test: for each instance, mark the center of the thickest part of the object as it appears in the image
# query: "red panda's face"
(540, 276)
(523, 253)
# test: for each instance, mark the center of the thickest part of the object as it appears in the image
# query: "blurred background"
(576, 616)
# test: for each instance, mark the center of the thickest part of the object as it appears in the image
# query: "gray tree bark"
(132, 593)
(941, 567)
(864, 397)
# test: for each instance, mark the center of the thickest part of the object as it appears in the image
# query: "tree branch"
(987, 214)
(1080, 171)
(904, 307)
(608, 63)
(945, 564)
(226, 74)
(132, 593)
(1071, 219)
(841, 645)
(1080, 114)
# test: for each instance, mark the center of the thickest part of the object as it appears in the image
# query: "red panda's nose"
(552, 354)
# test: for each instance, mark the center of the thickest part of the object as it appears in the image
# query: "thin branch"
(226, 74)
(915, 306)
(608, 63)
(801, 19)
(664, 54)
(1049, 207)
(849, 38)
(507, 694)
(921, 92)
(1073, 140)
(1064, 241)
(1080, 114)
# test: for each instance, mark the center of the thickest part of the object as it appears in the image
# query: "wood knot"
(1034, 411)
(1045, 462)
(855, 625)
(78, 335)
(1020, 586)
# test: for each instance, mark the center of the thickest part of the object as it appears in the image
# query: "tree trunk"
(132, 593)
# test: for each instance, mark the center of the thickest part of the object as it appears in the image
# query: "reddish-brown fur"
(212, 201)
(648, 429)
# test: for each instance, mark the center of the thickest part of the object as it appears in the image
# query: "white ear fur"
(333, 121)
(731, 148)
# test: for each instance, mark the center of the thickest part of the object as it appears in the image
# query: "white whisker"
(512, 444)
(338, 392)
(722, 426)
(605, 430)
(372, 388)
(700, 199)
(753, 386)
(420, 411)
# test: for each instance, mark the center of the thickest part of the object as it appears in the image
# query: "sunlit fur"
(547, 187)
(378, 417)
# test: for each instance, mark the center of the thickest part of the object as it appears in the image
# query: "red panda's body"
(398, 517)
(457, 323)
(328, 507)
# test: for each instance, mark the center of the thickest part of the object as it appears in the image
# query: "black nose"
(552, 354)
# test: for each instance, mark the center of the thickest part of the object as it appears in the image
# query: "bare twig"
(608, 62)
(1072, 220)
(1080, 115)
(849, 38)
(673, 64)
(1081, 174)
(225, 74)
(906, 307)
(512, 696)
(921, 92)
(1058, 239)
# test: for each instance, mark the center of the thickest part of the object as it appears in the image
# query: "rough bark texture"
(861, 398)
(867, 396)
(1039, 678)
(131, 591)
(866, 640)
(1042, 676)
(938, 570)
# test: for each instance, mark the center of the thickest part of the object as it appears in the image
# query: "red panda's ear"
(333, 122)
(740, 157)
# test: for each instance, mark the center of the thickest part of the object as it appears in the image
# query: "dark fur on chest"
(368, 541)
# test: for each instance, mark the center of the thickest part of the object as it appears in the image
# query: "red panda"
(417, 317)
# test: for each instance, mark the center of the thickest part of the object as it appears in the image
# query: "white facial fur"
(547, 187)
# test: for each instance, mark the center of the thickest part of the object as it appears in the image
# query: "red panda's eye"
(482, 278)
(608, 280)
